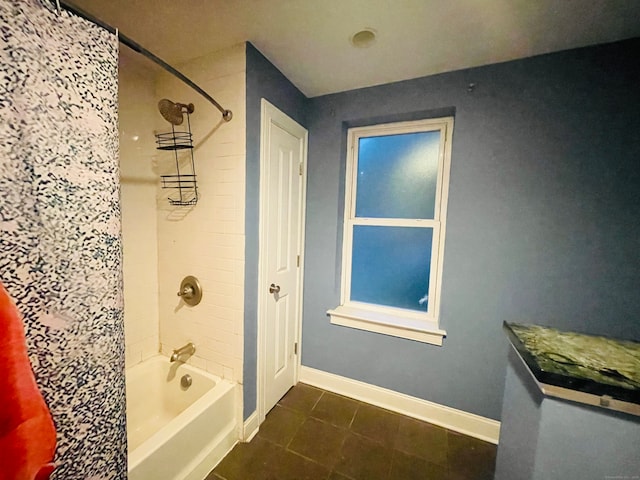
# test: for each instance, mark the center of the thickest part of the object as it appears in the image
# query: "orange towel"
(27, 433)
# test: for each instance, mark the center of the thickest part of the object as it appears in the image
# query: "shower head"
(174, 112)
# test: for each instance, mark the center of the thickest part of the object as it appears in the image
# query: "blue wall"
(263, 81)
(542, 220)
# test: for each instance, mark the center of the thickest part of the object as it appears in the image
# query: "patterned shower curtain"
(60, 246)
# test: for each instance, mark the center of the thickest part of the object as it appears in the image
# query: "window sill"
(410, 327)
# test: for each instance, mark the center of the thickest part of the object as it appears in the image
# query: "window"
(394, 224)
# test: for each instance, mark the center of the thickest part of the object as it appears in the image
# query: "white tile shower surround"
(207, 241)
(137, 116)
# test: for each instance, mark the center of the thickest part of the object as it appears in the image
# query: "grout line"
(317, 401)
(307, 458)
(353, 418)
(394, 452)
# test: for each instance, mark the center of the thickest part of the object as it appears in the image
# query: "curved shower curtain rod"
(226, 114)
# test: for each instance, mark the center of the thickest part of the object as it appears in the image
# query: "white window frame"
(398, 322)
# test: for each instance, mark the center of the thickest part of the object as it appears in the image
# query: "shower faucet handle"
(187, 292)
(190, 291)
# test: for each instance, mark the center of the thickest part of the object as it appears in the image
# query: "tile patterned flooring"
(312, 434)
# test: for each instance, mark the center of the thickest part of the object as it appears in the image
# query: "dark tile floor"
(314, 434)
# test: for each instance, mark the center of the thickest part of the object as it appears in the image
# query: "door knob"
(273, 288)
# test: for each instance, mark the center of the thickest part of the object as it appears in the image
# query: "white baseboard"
(457, 420)
(250, 427)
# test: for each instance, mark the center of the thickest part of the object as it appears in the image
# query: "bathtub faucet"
(188, 349)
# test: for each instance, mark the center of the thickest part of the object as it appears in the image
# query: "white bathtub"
(175, 433)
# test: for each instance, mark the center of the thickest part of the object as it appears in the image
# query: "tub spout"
(188, 349)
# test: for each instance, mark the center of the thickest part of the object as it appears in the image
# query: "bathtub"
(177, 433)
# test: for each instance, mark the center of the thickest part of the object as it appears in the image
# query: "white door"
(284, 145)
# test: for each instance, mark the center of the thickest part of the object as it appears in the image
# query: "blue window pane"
(397, 175)
(391, 266)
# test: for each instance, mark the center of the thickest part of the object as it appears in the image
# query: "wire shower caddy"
(184, 183)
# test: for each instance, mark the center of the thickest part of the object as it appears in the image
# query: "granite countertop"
(594, 365)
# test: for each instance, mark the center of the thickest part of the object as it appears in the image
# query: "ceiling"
(309, 40)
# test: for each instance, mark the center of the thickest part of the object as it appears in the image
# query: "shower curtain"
(60, 246)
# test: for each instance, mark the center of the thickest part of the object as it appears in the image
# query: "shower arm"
(227, 115)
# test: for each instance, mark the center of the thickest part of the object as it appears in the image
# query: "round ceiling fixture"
(364, 38)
